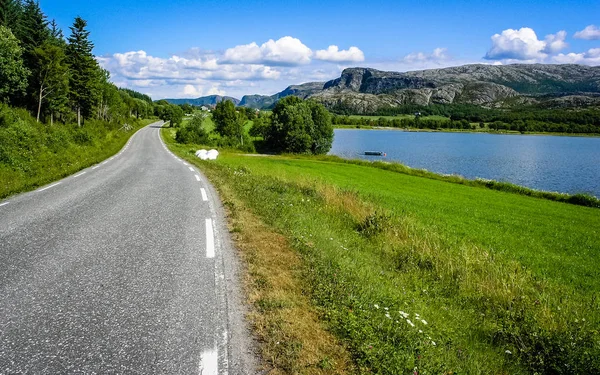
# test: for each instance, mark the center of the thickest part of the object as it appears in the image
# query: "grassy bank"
(33, 154)
(419, 275)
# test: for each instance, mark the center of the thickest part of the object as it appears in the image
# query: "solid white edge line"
(51, 186)
(209, 362)
(210, 239)
(191, 169)
(4, 204)
(203, 192)
(197, 178)
(79, 175)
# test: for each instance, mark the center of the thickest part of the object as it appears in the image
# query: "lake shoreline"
(414, 130)
(559, 164)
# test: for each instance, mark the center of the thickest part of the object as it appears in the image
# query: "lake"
(550, 163)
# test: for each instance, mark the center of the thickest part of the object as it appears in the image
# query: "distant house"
(204, 108)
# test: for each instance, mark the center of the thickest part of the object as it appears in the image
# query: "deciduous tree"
(51, 76)
(13, 74)
(299, 126)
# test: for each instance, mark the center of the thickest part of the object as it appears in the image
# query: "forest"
(524, 119)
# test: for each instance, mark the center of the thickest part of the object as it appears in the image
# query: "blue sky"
(193, 48)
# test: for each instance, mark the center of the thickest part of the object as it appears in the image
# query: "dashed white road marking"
(204, 197)
(186, 164)
(210, 239)
(51, 186)
(79, 175)
(209, 362)
(96, 166)
(191, 169)
(197, 178)
(4, 204)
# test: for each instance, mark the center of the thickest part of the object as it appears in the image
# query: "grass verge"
(417, 275)
(33, 154)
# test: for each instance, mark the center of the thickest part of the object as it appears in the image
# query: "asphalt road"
(124, 267)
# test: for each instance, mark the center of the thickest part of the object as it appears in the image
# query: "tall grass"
(33, 154)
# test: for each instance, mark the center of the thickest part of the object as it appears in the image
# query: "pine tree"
(10, 13)
(33, 32)
(85, 73)
(56, 34)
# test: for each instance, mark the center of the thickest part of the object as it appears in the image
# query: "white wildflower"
(507, 352)
(423, 321)
(376, 306)
(409, 322)
(433, 343)
(387, 315)
(404, 315)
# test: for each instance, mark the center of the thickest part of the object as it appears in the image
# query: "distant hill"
(263, 102)
(204, 100)
(365, 90)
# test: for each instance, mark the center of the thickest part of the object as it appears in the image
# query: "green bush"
(193, 132)
(32, 153)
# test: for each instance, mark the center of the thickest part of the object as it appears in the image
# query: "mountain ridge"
(365, 90)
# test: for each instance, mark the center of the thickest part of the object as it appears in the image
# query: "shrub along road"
(123, 267)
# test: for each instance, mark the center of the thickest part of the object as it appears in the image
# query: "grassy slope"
(506, 283)
(36, 154)
(535, 231)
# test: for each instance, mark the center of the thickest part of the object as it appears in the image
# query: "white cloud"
(191, 91)
(286, 51)
(334, 54)
(276, 64)
(591, 57)
(591, 32)
(555, 42)
(437, 56)
(521, 44)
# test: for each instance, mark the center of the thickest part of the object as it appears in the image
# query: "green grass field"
(419, 275)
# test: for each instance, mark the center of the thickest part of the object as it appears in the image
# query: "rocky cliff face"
(364, 90)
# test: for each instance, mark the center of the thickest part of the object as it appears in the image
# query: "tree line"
(294, 126)
(461, 116)
(57, 78)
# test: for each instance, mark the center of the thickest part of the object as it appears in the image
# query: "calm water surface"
(551, 163)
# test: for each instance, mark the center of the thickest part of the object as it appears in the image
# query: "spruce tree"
(33, 32)
(56, 34)
(85, 73)
(10, 13)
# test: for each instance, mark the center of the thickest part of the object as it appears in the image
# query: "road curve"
(124, 267)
